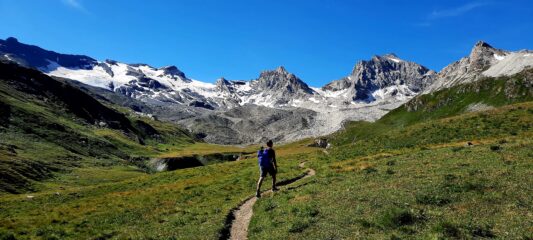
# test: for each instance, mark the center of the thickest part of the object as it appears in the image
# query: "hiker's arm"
(274, 159)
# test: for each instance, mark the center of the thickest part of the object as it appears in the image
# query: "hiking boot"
(257, 194)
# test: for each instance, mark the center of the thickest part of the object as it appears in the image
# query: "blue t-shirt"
(265, 158)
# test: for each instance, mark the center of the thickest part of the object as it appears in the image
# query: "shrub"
(495, 148)
(457, 149)
(6, 236)
(298, 226)
(370, 170)
(448, 230)
(484, 231)
(433, 199)
(396, 217)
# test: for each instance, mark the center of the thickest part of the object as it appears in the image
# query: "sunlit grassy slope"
(411, 175)
(123, 202)
(430, 169)
(423, 182)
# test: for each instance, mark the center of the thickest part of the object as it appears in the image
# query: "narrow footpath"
(243, 214)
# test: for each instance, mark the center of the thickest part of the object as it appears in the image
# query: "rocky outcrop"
(381, 72)
(469, 68)
(282, 85)
(483, 60)
(320, 143)
(173, 72)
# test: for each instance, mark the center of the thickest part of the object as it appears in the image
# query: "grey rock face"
(249, 124)
(282, 84)
(380, 72)
(107, 69)
(173, 71)
(467, 69)
(228, 87)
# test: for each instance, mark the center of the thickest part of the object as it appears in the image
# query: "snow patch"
(499, 57)
(400, 92)
(394, 59)
(312, 99)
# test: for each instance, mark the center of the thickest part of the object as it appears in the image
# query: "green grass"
(125, 203)
(411, 175)
(433, 189)
(422, 182)
(493, 92)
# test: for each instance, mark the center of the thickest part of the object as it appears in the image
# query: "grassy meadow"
(431, 169)
(125, 202)
(461, 177)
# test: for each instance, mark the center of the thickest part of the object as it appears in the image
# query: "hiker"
(267, 165)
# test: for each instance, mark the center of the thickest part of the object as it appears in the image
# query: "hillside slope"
(483, 94)
(459, 177)
(48, 126)
(454, 164)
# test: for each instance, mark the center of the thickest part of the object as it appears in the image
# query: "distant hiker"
(267, 165)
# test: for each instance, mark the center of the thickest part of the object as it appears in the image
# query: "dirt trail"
(243, 214)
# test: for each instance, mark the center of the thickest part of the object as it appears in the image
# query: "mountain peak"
(386, 57)
(481, 47)
(12, 40)
(481, 43)
(173, 70)
(222, 84)
(281, 69)
(482, 55)
(390, 55)
(283, 82)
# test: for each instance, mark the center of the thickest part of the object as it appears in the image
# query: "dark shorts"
(267, 170)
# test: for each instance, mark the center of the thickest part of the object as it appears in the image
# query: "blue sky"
(318, 40)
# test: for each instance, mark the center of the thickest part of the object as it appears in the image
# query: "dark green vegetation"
(48, 126)
(433, 169)
(491, 92)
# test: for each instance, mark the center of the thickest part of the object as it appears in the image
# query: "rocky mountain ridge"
(483, 61)
(381, 72)
(277, 104)
(273, 88)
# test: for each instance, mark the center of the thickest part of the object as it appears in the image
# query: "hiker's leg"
(259, 184)
(274, 180)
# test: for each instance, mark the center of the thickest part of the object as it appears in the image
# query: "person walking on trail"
(267, 165)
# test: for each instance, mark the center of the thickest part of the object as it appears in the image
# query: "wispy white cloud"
(450, 12)
(453, 12)
(76, 4)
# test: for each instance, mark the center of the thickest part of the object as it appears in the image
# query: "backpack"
(264, 158)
